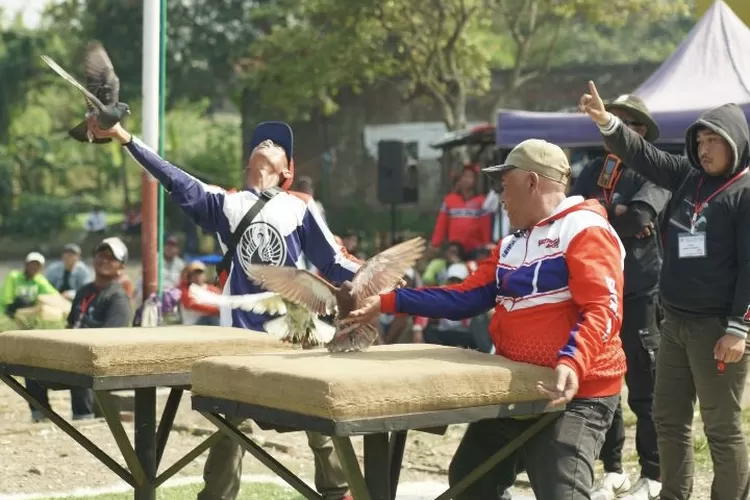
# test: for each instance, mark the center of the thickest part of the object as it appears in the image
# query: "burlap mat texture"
(382, 381)
(129, 351)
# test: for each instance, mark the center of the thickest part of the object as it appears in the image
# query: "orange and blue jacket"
(464, 221)
(557, 293)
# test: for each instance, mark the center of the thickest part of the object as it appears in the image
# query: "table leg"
(145, 440)
(350, 464)
(377, 470)
(396, 458)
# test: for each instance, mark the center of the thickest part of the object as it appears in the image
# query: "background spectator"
(21, 288)
(69, 274)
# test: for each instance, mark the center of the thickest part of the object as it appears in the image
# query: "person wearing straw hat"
(633, 206)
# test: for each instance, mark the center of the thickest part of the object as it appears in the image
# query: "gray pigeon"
(102, 92)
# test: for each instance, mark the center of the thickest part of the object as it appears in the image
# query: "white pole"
(151, 14)
(150, 135)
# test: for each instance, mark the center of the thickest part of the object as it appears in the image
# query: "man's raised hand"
(592, 105)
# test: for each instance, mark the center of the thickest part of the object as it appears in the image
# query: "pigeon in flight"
(382, 273)
(101, 93)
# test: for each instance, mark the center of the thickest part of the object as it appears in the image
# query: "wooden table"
(138, 359)
(380, 394)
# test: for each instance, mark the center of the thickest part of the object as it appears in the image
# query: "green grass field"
(247, 492)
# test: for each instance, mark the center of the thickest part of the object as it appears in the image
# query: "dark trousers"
(82, 400)
(559, 460)
(686, 369)
(640, 341)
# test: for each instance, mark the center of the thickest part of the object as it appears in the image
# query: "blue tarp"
(708, 69)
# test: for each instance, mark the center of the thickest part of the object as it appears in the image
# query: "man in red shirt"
(462, 218)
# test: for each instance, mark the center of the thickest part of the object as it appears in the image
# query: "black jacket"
(645, 202)
(717, 285)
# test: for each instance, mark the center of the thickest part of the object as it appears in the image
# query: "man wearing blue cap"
(261, 224)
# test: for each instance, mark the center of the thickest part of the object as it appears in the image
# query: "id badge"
(691, 245)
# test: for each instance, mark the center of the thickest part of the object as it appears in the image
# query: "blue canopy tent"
(708, 69)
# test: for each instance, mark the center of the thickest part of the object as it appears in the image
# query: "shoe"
(644, 489)
(613, 485)
(37, 416)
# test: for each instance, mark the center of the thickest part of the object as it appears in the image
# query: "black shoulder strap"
(234, 239)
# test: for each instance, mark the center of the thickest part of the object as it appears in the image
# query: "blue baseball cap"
(278, 132)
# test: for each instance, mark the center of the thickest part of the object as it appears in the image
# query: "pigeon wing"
(101, 79)
(296, 285)
(383, 272)
(259, 303)
(91, 100)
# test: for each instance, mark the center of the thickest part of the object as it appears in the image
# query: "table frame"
(144, 456)
(384, 440)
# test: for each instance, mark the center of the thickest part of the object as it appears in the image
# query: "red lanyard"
(84, 307)
(699, 205)
(608, 199)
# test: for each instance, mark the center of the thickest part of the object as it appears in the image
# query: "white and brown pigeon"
(380, 274)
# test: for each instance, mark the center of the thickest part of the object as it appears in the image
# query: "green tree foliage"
(327, 45)
(440, 49)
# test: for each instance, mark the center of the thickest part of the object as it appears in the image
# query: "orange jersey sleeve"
(596, 280)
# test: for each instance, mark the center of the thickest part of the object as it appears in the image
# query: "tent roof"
(708, 69)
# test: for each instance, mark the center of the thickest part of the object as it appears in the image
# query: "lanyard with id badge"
(692, 245)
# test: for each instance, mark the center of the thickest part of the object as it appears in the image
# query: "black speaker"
(391, 164)
(398, 174)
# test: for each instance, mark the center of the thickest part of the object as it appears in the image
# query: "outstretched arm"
(664, 169)
(201, 202)
(475, 295)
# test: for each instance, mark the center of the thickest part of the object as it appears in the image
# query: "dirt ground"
(39, 458)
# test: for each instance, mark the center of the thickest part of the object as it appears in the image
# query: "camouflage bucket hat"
(638, 110)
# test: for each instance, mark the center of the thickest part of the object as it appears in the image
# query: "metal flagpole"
(149, 197)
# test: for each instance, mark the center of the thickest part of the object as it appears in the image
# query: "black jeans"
(82, 400)
(559, 460)
(640, 341)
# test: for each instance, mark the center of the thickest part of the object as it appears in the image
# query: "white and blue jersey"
(288, 226)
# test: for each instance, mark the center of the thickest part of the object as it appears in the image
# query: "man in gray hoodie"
(705, 291)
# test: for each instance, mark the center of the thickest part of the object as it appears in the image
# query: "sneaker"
(613, 485)
(644, 489)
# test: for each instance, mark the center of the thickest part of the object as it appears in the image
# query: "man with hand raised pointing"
(705, 290)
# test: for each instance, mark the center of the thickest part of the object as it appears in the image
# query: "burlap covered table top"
(383, 381)
(128, 351)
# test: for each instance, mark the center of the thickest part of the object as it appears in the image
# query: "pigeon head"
(123, 108)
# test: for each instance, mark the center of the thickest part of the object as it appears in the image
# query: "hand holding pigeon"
(378, 275)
